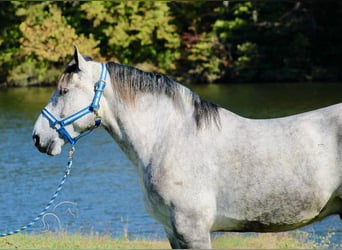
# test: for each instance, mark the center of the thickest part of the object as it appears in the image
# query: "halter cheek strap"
(60, 125)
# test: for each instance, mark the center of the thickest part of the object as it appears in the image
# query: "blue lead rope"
(53, 198)
(60, 125)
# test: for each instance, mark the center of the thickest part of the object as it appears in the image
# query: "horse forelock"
(129, 81)
(69, 70)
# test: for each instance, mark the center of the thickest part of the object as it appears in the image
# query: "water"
(102, 195)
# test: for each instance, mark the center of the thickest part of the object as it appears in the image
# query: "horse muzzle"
(51, 147)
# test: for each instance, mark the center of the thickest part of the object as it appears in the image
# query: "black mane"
(128, 81)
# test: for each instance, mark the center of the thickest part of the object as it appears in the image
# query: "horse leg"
(172, 239)
(189, 231)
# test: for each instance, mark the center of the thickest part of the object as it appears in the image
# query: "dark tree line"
(195, 42)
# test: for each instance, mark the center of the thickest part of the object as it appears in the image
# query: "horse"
(201, 167)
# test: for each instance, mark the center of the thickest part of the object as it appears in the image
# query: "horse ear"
(80, 61)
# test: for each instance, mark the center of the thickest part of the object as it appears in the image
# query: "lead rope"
(53, 198)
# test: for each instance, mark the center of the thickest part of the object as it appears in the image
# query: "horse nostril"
(36, 139)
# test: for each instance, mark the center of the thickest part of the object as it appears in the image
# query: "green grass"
(75, 241)
(261, 241)
(227, 241)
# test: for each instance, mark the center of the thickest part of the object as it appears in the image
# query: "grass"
(261, 241)
(227, 241)
(75, 241)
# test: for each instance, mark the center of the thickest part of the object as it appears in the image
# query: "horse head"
(73, 108)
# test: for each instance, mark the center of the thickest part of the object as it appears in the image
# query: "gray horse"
(202, 168)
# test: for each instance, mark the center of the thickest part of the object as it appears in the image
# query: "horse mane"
(129, 81)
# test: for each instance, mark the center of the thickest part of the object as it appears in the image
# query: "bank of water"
(102, 194)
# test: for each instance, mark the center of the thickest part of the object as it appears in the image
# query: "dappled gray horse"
(202, 168)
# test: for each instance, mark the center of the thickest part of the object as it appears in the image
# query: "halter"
(60, 125)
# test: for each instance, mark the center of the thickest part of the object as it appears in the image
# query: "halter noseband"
(60, 125)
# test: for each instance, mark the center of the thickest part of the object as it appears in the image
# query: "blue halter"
(60, 125)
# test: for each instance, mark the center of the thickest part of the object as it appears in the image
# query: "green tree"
(281, 40)
(197, 42)
(204, 58)
(45, 45)
(234, 28)
(9, 39)
(136, 32)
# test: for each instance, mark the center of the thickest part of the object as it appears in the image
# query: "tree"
(204, 58)
(281, 40)
(136, 32)
(9, 39)
(45, 44)
(194, 42)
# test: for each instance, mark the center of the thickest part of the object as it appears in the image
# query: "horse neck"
(143, 129)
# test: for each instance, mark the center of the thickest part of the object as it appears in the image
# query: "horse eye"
(63, 91)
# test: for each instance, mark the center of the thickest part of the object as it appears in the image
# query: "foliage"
(278, 41)
(136, 32)
(45, 35)
(9, 36)
(207, 57)
(198, 41)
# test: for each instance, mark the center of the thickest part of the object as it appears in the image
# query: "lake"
(102, 194)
